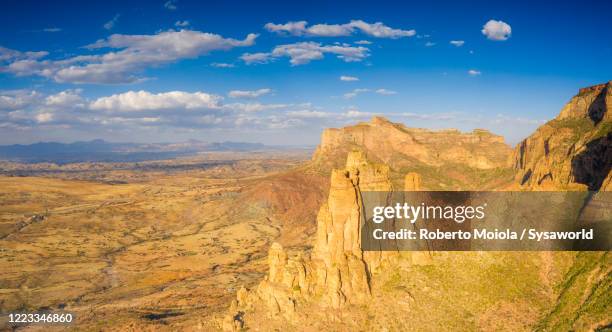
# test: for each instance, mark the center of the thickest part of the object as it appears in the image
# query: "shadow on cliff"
(592, 166)
(598, 107)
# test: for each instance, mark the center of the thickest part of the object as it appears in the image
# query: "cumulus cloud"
(429, 44)
(144, 100)
(300, 28)
(349, 78)
(363, 42)
(24, 108)
(249, 93)
(182, 24)
(16, 99)
(132, 111)
(497, 30)
(305, 52)
(111, 24)
(457, 43)
(43, 117)
(132, 55)
(67, 98)
(474, 72)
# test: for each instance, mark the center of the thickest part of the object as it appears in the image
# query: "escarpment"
(399, 146)
(572, 151)
(334, 285)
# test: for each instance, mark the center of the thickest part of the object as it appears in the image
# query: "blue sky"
(280, 72)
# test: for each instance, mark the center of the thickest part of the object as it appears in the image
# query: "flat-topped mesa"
(592, 102)
(572, 151)
(399, 146)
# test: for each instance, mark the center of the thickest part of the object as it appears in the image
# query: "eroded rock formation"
(337, 272)
(572, 151)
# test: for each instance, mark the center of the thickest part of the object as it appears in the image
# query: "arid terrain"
(171, 245)
(139, 244)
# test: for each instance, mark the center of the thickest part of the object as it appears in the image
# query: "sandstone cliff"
(452, 159)
(390, 143)
(337, 272)
(336, 286)
(572, 151)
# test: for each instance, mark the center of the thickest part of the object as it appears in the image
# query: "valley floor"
(162, 249)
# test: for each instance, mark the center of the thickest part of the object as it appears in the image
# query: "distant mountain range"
(102, 151)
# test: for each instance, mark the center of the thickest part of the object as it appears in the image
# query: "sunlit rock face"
(572, 151)
(338, 271)
(397, 146)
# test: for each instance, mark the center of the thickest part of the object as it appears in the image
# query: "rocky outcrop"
(398, 146)
(337, 272)
(572, 151)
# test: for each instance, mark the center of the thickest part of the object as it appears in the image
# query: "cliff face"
(572, 151)
(337, 272)
(337, 286)
(397, 145)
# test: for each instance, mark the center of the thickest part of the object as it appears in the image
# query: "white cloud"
(497, 30)
(304, 52)
(251, 58)
(254, 107)
(306, 114)
(132, 111)
(144, 100)
(248, 93)
(457, 43)
(7, 54)
(355, 92)
(363, 42)
(474, 72)
(44, 117)
(292, 28)
(134, 54)
(378, 29)
(222, 65)
(67, 98)
(349, 78)
(170, 4)
(429, 44)
(385, 92)
(16, 99)
(353, 113)
(111, 24)
(52, 29)
(182, 24)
